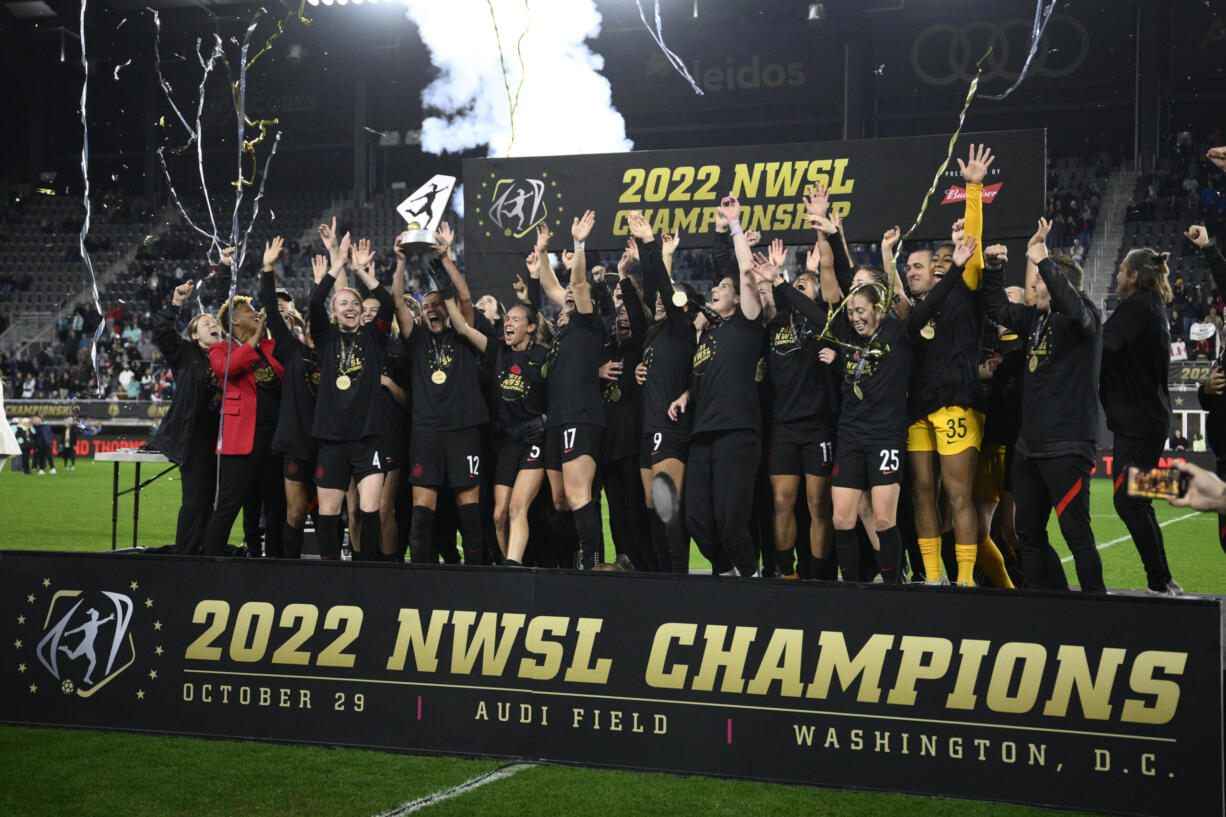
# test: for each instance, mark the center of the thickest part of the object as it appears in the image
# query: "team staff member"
(726, 441)
(804, 408)
(299, 385)
(945, 401)
(347, 413)
(250, 374)
(1134, 394)
(1056, 447)
(575, 416)
(447, 413)
(188, 433)
(873, 416)
(665, 373)
(1212, 392)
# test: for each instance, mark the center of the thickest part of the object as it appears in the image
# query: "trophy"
(423, 210)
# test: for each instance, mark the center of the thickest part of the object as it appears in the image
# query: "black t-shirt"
(725, 368)
(946, 371)
(1135, 368)
(668, 358)
(571, 372)
(456, 402)
(354, 412)
(622, 402)
(801, 386)
(519, 388)
(267, 391)
(1003, 404)
(880, 367)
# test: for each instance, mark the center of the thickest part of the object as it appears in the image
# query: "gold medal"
(615, 393)
(1034, 362)
(343, 382)
(928, 332)
(439, 377)
(680, 299)
(855, 388)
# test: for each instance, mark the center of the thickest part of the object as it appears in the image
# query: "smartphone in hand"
(1157, 483)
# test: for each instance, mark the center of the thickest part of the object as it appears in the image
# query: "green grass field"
(55, 772)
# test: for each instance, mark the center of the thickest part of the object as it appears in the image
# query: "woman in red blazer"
(251, 380)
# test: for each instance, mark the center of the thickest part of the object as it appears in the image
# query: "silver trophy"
(422, 211)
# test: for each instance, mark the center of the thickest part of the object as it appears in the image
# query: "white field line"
(477, 782)
(1128, 538)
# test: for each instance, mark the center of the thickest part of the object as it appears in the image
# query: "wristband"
(578, 246)
(735, 229)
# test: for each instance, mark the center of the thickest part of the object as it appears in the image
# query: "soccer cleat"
(789, 576)
(53, 470)
(41, 472)
(1173, 588)
(1166, 591)
(623, 563)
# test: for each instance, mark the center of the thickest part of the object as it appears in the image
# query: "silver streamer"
(658, 36)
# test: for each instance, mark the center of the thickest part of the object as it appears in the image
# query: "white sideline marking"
(500, 773)
(1128, 538)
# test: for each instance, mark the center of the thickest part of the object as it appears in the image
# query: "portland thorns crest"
(85, 642)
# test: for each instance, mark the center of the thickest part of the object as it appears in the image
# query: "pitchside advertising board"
(1106, 704)
(873, 183)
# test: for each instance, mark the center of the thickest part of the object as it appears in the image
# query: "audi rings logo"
(943, 54)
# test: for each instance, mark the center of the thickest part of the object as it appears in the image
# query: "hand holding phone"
(1157, 483)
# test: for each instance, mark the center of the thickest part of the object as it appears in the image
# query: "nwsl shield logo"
(88, 644)
(518, 205)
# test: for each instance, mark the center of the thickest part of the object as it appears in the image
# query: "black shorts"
(570, 442)
(863, 466)
(450, 459)
(513, 457)
(338, 462)
(802, 447)
(657, 446)
(391, 438)
(296, 470)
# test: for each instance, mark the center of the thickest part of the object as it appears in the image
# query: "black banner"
(874, 183)
(101, 410)
(1110, 704)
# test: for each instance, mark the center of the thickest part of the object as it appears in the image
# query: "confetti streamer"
(658, 36)
(512, 104)
(1041, 16)
(89, 264)
(117, 67)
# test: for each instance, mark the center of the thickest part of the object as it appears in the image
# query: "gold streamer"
(512, 104)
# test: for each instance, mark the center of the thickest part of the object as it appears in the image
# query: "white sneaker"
(41, 472)
(53, 470)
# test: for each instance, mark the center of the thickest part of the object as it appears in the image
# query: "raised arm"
(974, 169)
(1032, 271)
(889, 262)
(579, 286)
(751, 303)
(458, 320)
(404, 315)
(1065, 300)
(325, 279)
(1199, 236)
(668, 247)
(997, 305)
(553, 290)
(444, 239)
(165, 331)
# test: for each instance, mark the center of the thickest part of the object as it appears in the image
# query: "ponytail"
(1152, 272)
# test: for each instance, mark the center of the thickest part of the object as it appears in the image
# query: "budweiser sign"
(957, 194)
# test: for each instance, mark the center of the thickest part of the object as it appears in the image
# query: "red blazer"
(238, 411)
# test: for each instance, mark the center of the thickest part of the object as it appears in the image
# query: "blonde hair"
(223, 314)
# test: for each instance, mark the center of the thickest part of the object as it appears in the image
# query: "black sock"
(890, 554)
(370, 534)
(678, 545)
(847, 546)
(291, 539)
(419, 536)
(659, 542)
(472, 532)
(785, 560)
(565, 540)
(827, 568)
(328, 534)
(591, 536)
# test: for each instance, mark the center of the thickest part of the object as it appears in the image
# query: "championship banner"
(101, 410)
(874, 184)
(1110, 703)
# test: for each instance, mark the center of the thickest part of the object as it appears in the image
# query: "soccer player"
(1212, 393)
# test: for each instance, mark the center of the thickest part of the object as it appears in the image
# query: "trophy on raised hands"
(423, 210)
